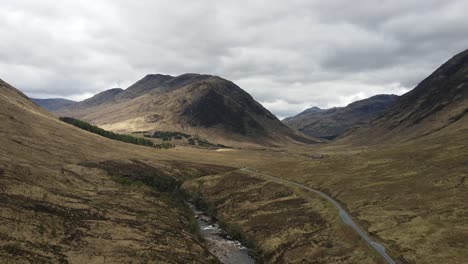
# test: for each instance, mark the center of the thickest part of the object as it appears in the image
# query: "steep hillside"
(330, 123)
(203, 105)
(53, 104)
(438, 106)
(69, 196)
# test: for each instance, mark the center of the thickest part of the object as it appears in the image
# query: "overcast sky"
(290, 55)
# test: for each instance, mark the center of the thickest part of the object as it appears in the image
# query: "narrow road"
(342, 213)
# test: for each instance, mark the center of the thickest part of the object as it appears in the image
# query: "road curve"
(342, 213)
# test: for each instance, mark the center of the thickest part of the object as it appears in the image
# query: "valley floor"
(411, 198)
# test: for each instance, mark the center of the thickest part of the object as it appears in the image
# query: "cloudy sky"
(289, 55)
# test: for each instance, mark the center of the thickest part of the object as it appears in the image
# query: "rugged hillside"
(203, 105)
(330, 123)
(53, 104)
(438, 106)
(62, 198)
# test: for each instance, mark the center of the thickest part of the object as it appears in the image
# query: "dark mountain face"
(330, 123)
(437, 104)
(215, 106)
(53, 104)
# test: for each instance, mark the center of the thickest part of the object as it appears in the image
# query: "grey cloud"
(289, 55)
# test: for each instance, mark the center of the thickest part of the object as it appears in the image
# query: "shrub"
(191, 141)
(167, 135)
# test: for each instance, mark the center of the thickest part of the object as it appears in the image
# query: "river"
(227, 250)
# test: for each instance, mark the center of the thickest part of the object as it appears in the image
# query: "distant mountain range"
(218, 109)
(437, 107)
(331, 123)
(204, 105)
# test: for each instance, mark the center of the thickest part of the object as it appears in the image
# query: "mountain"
(104, 97)
(144, 85)
(203, 105)
(330, 123)
(437, 106)
(62, 201)
(53, 104)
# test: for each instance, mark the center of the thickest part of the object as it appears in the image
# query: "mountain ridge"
(53, 104)
(198, 104)
(331, 123)
(438, 105)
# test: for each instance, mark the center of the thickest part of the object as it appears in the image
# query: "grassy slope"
(58, 207)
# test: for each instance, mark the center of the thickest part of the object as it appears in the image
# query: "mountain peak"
(156, 76)
(143, 86)
(314, 109)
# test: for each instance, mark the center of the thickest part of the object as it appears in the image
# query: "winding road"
(342, 213)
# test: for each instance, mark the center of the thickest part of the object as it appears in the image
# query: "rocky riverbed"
(227, 250)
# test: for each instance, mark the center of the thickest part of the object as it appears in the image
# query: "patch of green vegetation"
(196, 141)
(140, 132)
(119, 137)
(191, 140)
(168, 136)
(204, 143)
